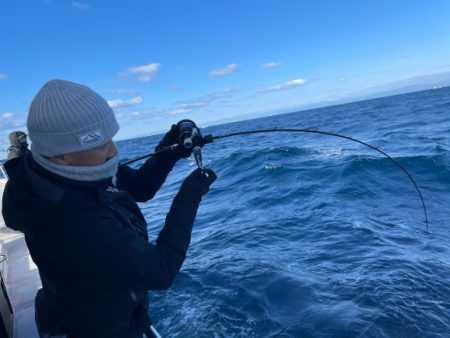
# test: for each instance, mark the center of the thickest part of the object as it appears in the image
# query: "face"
(88, 158)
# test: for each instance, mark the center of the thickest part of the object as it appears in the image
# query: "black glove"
(172, 137)
(198, 182)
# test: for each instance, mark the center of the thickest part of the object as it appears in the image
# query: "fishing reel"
(190, 136)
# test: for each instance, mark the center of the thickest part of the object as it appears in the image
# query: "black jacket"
(90, 243)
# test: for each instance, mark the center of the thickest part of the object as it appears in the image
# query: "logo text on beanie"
(92, 137)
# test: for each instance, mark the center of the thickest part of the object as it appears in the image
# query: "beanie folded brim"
(92, 136)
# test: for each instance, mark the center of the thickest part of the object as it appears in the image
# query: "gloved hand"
(17, 138)
(172, 137)
(197, 183)
(19, 145)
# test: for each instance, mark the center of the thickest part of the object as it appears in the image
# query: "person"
(84, 230)
(18, 144)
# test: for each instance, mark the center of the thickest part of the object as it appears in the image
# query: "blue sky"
(157, 62)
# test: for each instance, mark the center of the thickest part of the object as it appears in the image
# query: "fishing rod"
(197, 140)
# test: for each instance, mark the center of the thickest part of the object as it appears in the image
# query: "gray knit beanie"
(67, 117)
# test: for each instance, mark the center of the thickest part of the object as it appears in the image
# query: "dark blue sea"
(314, 236)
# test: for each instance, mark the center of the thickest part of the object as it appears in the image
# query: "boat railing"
(3, 173)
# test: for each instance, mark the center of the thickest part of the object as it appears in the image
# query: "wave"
(309, 237)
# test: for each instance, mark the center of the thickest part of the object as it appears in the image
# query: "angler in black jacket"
(88, 236)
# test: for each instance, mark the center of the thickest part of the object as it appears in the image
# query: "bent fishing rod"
(196, 140)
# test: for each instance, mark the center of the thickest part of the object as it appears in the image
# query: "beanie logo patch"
(92, 137)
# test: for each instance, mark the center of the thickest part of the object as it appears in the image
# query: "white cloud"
(229, 91)
(202, 103)
(206, 99)
(230, 69)
(271, 65)
(179, 111)
(145, 73)
(123, 91)
(81, 6)
(3, 77)
(192, 104)
(7, 116)
(125, 103)
(285, 86)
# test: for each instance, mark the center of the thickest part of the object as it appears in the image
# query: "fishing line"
(211, 138)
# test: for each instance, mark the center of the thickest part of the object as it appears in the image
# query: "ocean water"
(314, 236)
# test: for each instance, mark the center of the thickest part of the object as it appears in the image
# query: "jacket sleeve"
(143, 183)
(120, 256)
